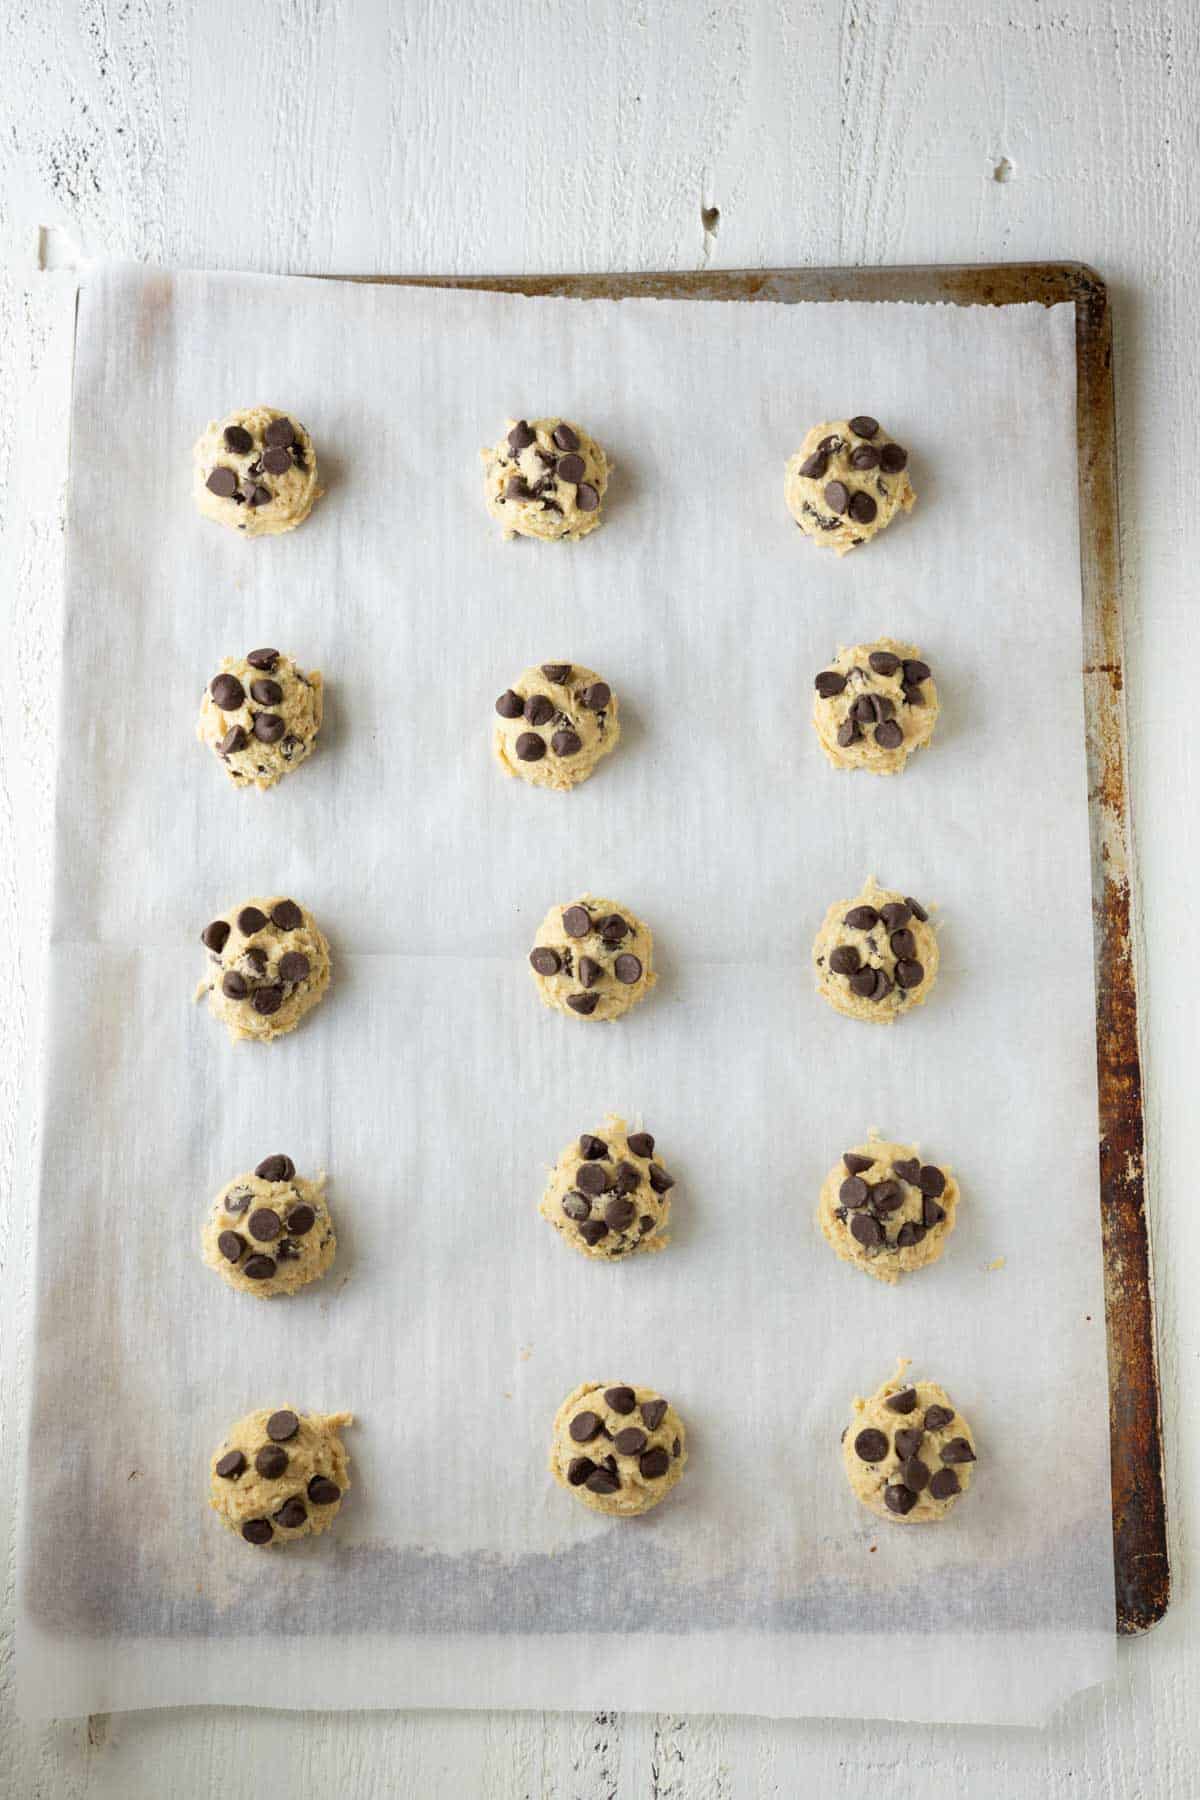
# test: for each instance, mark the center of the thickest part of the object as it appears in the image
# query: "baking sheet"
(436, 1091)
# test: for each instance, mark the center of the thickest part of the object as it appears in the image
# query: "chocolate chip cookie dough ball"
(874, 705)
(619, 1449)
(553, 725)
(260, 716)
(256, 472)
(545, 479)
(281, 1474)
(608, 1195)
(847, 482)
(592, 959)
(886, 1211)
(876, 957)
(268, 966)
(907, 1452)
(270, 1232)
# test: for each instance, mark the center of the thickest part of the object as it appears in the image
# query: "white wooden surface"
(508, 135)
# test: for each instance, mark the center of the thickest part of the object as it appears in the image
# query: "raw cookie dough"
(607, 1194)
(260, 716)
(846, 482)
(554, 724)
(874, 705)
(620, 1449)
(908, 1454)
(592, 959)
(268, 966)
(256, 471)
(270, 1232)
(876, 956)
(885, 1210)
(280, 1474)
(545, 479)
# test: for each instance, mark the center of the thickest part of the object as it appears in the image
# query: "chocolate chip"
(267, 1000)
(889, 735)
(931, 1181)
(903, 943)
(612, 928)
(257, 1531)
(654, 1464)
(271, 1461)
(282, 1425)
(660, 1181)
(653, 1413)
(230, 1465)
(263, 659)
(566, 743)
(894, 915)
(292, 1514)
(944, 1483)
(909, 974)
(902, 1402)
(301, 1220)
(585, 1426)
(931, 1213)
(258, 1268)
(628, 1180)
(856, 1164)
(627, 969)
(870, 1446)
(641, 1143)
(576, 921)
(866, 1230)
(268, 727)
(907, 1169)
(957, 1451)
(862, 982)
(571, 468)
(545, 960)
(293, 967)
(277, 461)
(585, 1004)
(264, 1225)
(899, 1499)
(234, 986)
(837, 496)
(592, 1230)
(231, 1244)
(520, 437)
(539, 710)
(938, 1417)
(865, 710)
(235, 739)
(592, 1147)
(256, 956)
(578, 1470)
(596, 696)
(915, 908)
(214, 936)
(863, 425)
(621, 1399)
(238, 440)
(916, 672)
(322, 1491)
(530, 747)
(557, 672)
(267, 693)
(276, 1168)
(564, 437)
(886, 1196)
(864, 456)
(883, 662)
(222, 482)
(813, 467)
(258, 495)
(517, 488)
(908, 1441)
(830, 444)
(862, 508)
(287, 915)
(602, 1481)
(620, 1213)
(236, 1200)
(510, 705)
(586, 497)
(914, 1474)
(279, 434)
(892, 458)
(848, 733)
(910, 1233)
(646, 1223)
(829, 683)
(862, 918)
(591, 1179)
(576, 1206)
(854, 1191)
(227, 691)
(630, 1442)
(913, 695)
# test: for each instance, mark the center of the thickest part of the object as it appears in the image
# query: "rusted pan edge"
(1139, 1503)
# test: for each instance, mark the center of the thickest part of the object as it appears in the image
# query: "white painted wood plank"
(510, 136)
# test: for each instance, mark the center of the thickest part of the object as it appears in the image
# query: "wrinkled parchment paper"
(436, 1091)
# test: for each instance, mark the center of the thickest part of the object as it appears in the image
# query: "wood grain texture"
(526, 135)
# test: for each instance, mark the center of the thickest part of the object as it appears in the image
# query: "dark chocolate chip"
(898, 1498)
(268, 727)
(520, 437)
(585, 1004)
(214, 936)
(591, 1178)
(931, 1181)
(510, 705)
(592, 1230)
(564, 437)
(866, 1230)
(322, 1491)
(931, 1213)
(837, 496)
(237, 1200)
(263, 659)
(863, 425)
(830, 444)
(557, 672)
(592, 1147)
(276, 1168)
(292, 1514)
(957, 1451)
(641, 1143)
(862, 508)
(916, 672)
(864, 456)
(895, 914)
(576, 921)
(862, 982)
(258, 1531)
(854, 1192)
(277, 461)
(903, 943)
(914, 1474)
(222, 482)
(256, 956)
(293, 967)
(886, 1196)
(589, 971)
(620, 1213)
(908, 1441)
(892, 458)
(862, 918)
(235, 739)
(264, 1225)
(889, 735)
(909, 974)
(238, 440)
(586, 497)
(865, 710)
(855, 1164)
(258, 495)
(621, 1399)
(910, 1233)
(266, 692)
(602, 1481)
(630, 1442)
(829, 683)
(883, 662)
(915, 908)
(902, 1402)
(231, 1244)
(814, 467)
(576, 1205)
(571, 468)
(646, 1223)
(566, 743)
(908, 1168)
(545, 960)
(628, 1180)
(596, 696)
(627, 969)
(301, 1220)
(227, 691)
(539, 710)
(870, 1446)
(267, 1000)
(279, 434)
(654, 1463)
(271, 1461)
(234, 986)
(913, 695)
(287, 915)
(578, 1470)
(653, 1413)
(938, 1417)
(530, 747)
(660, 1181)
(585, 1426)
(944, 1483)
(612, 928)
(848, 733)
(517, 488)
(231, 1465)
(282, 1425)
(258, 1268)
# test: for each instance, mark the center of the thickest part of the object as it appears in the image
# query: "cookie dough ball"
(270, 1232)
(256, 471)
(885, 1210)
(876, 956)
(608, 1195)
(260, 716)
(554, 724)
(545, 479)
(619, 1449)
(281, 1474)
(907, 1452)
(847, 482)
(874, 705)
(268, 966)
(592, 959)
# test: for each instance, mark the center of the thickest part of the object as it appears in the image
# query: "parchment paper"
(435, 1089)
